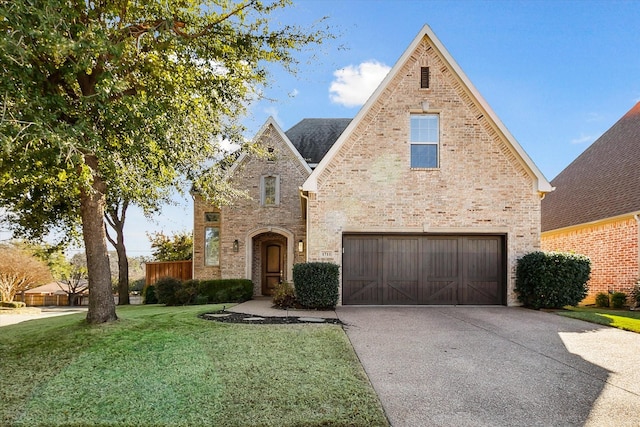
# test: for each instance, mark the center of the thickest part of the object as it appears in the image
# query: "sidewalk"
(12, 319)
(263, 307)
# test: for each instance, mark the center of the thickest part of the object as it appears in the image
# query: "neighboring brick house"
(596, 206)
(423, 198)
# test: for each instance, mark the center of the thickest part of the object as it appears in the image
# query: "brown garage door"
(419, 269)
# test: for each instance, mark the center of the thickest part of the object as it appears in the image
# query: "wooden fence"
(40, 300)
(182, 270)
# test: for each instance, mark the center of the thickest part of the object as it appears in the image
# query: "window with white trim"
(270, 190)
(425, 141)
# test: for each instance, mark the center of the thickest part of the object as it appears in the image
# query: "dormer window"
(270, 187)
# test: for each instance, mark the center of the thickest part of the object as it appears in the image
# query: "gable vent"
(424, 77)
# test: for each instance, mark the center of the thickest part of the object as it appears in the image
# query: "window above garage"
(425, 141)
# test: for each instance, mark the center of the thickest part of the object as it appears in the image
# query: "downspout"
(306, 218)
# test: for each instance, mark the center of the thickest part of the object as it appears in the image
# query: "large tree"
(20, 270)
(97, 94)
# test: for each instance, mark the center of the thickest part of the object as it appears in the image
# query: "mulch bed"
(251, 319)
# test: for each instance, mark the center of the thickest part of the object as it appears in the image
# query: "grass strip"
(163, 366)
(621, 319)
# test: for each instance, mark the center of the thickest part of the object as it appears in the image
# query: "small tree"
(20, 271)
(76, 282)
(177, 247)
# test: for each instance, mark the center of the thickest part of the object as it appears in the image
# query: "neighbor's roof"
(603, 182)
(52, 288)
(314, 137)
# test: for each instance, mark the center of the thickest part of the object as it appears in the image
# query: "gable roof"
(314, 137)
(271, 123)
(603, 182)
(541, 183)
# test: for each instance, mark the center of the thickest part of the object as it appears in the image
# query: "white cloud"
(583, 139)
(354, 84)
(273, 112)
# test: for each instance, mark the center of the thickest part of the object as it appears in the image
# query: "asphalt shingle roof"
(314, 137)
(603, 182)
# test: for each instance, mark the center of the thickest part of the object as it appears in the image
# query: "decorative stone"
(216, 315)
(250, 319)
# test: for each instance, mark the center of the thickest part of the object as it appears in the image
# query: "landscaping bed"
(250, 319)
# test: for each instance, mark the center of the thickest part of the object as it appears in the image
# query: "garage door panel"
(439, 292)
(481, 293)
(440, 271)
(482, 257)
(364, 292)
(400, 276)
(362, 270)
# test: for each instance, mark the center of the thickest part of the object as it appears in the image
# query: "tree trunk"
(116, 221)
(92, 202)
(123, 274)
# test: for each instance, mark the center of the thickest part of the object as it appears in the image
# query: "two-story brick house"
(423, 198)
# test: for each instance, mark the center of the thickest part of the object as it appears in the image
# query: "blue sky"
(557, 73)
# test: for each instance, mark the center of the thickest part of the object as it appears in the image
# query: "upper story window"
(270, 186)
(425, 141)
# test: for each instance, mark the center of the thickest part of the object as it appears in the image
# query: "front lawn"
(163, 366)
(621, 319)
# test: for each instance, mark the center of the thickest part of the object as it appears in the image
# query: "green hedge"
(172, 291)
(226, 290)
(552, 279)
(316, 284)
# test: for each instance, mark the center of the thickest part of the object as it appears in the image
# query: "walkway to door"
(495, 366)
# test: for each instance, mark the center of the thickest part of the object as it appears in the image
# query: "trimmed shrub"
(618, 299)
(149, 295)
(226, 290)
(13, 304)
(552, 279)
(316, 284)
(284, 295)
(166, 289)
(602, 299)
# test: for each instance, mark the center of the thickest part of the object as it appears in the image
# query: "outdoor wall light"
(236, 245)
(300, 246)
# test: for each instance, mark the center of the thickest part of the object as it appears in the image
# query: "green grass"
(163, 366)
(621, 319)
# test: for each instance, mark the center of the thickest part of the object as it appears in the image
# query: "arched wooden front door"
(273, 265)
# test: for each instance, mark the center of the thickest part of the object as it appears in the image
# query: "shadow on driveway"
(495, 366)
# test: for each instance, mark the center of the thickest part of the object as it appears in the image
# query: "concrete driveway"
(496, 366)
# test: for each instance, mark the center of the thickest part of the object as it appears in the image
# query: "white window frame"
(425, 137)
(263, 190)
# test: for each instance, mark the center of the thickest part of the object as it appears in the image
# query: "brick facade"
(480, 186)
(251, 223)
(612, 246)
